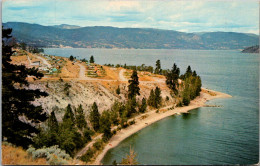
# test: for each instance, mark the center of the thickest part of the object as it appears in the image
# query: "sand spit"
(152, 117)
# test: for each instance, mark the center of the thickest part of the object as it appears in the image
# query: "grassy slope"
(17, 156)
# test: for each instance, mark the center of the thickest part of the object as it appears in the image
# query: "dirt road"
(44, 61)
(121, 75)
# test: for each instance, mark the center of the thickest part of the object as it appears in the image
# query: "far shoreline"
(153, 117)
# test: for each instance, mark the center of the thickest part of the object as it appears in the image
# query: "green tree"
(71, 58)
(80, 118)
(114, 113)
(158, 69)
(91, 60)
(69, 138)
(69, 115)
(157, 98)
(133, 87)
(188, 72)
(118, 90)
(186, 97)
(17, 107)
(143, 106)
(172, 78)
(53, 127)
(49, 135)
(151, 98)
(123, 119)
(65, 139)
(105, 125)
(94, 117)
(198, 85)
(131, 106)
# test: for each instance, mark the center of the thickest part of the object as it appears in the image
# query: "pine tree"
(80, 118)
(172, 78)
(17, 107)
(118, 90)
(69, 138)
(91, 60)
(105, 125)
(69, 115)
(123, 117)
(198, 86)
(158, 69)
(131, 106)
(143, 106)
(186, 97)
(157, 98)
(151, 98)
(71, 58)
(94, 117)
(188, 72)
(133, 87)
(53, 128)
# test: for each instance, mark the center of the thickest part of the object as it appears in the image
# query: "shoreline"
(153, 117)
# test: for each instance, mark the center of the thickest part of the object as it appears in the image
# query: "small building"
(54, 70)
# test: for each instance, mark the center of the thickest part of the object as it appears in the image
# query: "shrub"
(53, 159)
(88, 155)
(125, 125)
(179, 104)
(7, 143)
(12, 155)
(118, 90)
(98, 144)
(114, 132)
(53, 154)
(132, 122)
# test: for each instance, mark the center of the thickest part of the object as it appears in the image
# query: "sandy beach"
(152, 117)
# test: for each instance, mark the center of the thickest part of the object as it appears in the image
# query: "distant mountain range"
(112, 37)
(253, 49)
(66, 26)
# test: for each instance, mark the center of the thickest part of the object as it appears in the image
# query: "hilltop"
(112, 37)
(89, 82)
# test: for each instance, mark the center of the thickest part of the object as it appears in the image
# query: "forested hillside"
(112, 37)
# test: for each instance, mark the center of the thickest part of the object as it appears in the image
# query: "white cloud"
(179, 15)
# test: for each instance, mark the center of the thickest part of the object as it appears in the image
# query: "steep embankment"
(86, 92)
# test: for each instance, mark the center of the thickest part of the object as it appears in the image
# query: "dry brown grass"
(70, 70)
(19, 59)
(18, 156)
(111, 73)
(145, 78)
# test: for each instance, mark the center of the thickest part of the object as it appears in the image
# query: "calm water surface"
(225, 135)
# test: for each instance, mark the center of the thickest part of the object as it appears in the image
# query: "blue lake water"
(225, 135)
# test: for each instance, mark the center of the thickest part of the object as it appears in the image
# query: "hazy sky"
(186, 16)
